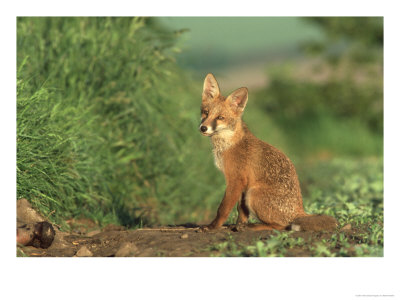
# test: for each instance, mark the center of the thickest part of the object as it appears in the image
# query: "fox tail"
(314, 223)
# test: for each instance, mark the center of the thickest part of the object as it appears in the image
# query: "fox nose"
(203, 128)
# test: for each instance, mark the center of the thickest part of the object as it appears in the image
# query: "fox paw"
(239, 227)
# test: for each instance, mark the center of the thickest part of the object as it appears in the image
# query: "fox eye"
(220, 118)
(205, 112)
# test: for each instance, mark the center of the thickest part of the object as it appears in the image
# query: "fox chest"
(218, 159)
(221, 144)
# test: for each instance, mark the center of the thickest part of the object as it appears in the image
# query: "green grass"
(276, 245)
(107, 124)
(348, 188)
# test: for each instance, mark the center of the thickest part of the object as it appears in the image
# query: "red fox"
(259, 177)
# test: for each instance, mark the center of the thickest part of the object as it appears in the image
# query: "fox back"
(258, 176)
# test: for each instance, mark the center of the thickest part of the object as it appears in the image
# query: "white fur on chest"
(221, 142)
(218, 160)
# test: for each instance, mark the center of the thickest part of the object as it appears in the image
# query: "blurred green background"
(108, 110)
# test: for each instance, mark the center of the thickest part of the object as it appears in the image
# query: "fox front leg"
(231, 197)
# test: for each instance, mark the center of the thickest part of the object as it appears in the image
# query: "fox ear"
(210, 87)
(238, 99)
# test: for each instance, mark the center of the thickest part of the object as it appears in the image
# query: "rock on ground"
(84, 252)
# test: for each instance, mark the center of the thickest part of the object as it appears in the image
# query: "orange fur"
(258, 176)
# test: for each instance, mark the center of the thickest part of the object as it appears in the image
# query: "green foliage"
(276, 245)
(352, 191)
(368, 30)
(348, 189)
(313, 121)
(333, 101)
(336, 112)
(294, 99)
(106, 123)
(359, 37)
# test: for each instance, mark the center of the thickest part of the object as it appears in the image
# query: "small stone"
(346, 227)
(25, 235)
(126, 249)
(84, 252)
(296, 227)
(25, 212)
(184, 236)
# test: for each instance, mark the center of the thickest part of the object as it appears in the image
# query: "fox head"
(220, 115)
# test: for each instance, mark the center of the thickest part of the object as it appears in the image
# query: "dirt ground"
(86, 239)
(179, 241)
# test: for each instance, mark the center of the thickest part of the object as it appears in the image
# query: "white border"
(201, 278)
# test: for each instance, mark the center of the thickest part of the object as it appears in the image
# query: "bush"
(336, 93)
(293, 99)
(107, 124)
